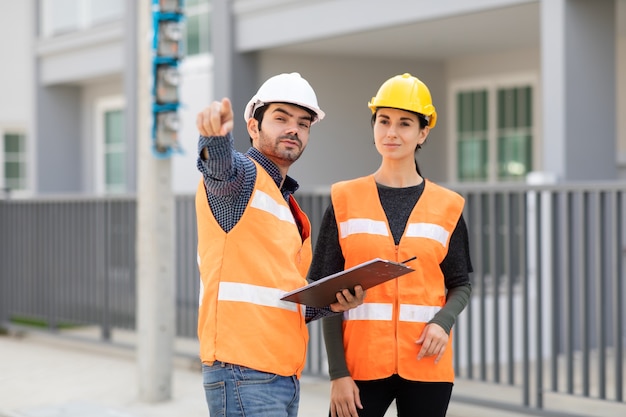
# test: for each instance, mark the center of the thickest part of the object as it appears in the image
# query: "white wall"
(196, 92)
(16, 75)
(16, 71)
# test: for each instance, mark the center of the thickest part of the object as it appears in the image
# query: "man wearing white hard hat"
(254, 245)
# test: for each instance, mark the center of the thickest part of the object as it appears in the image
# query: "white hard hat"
(285, 88)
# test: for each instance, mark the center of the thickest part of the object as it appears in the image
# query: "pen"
(409, 260)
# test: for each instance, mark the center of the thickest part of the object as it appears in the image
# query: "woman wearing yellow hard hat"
(397, 345)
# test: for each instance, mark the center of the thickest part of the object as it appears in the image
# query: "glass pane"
(64, 15)
(525, 107)
(205, 32)
(193, 35)
(114, 127)
(472, 159)
(12, 170)
(514, 156)
(13, 143)
(115, 169)
(506, 108)
(514, 147)
(460, 126)
(106, 10)
(479, 109)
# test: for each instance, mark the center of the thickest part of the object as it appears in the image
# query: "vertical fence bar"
(539, 230)
(533, 212)
(494, 266)
(585, 296)
(599, 271)
(508, 227)
(474, 231)
(6, 266)
(483, 293)
(569, 300)
(556, 249)
(106, 275)
(619, 274)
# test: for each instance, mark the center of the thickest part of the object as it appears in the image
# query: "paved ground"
(44, 376)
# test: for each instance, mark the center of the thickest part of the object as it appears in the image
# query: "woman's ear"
(423, 135)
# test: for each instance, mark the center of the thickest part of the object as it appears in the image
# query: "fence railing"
(546, 316)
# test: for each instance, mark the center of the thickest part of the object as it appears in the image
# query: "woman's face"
(397, 133)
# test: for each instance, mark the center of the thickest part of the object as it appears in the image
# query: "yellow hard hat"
(405, 92)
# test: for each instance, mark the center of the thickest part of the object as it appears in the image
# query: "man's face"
(284, 133)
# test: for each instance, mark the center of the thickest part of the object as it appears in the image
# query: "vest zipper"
(396, 307)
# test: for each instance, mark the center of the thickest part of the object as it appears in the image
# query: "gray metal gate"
(545, 323)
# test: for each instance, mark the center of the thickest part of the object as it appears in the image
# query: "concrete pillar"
(156, 289)
(579, 100)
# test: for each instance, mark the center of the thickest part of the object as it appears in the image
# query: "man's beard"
(274, 149)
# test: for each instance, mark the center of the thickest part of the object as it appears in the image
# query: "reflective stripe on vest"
(354, 226)
(417, 314)
(264, 202)
(370, 311)
(255, 294)
(428, 230)
(381, 311)
(374, 227)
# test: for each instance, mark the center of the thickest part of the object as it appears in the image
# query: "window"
(494, 133)
(472, 154)
(514, 132)
(197, 27)
(14, 161)
(114, 152)
(62, 16)
(111, 148)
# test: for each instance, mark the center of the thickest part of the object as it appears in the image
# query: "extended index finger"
(226, 117)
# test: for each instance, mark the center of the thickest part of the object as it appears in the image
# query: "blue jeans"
(233, 390)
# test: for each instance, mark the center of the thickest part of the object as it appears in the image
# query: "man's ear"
(253, 128)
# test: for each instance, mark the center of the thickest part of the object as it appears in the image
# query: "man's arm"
(222, 167)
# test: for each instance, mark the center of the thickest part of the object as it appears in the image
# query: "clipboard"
(322, 293)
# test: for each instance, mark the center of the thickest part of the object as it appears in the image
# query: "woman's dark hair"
(420, 117)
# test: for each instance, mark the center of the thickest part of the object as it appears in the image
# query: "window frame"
(492, 85)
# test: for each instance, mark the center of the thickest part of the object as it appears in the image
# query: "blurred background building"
(520, 86)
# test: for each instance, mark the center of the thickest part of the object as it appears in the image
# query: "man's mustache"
(292, 137)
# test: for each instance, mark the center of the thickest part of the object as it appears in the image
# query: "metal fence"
(546, 316)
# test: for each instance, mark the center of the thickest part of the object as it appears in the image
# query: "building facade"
(524, 90)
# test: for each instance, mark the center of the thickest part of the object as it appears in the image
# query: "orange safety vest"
(241, 319)
(379, 335)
